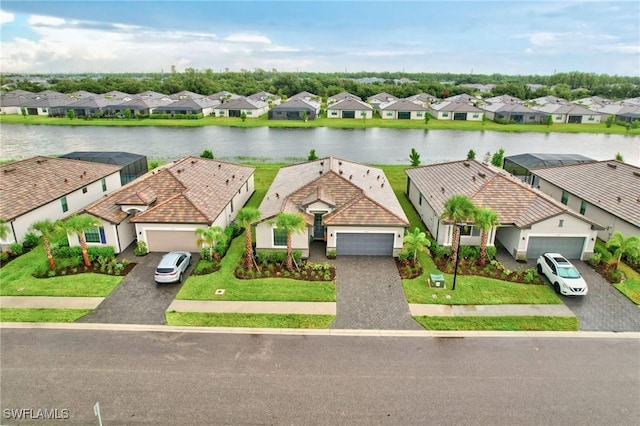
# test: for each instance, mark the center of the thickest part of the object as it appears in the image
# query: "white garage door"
(172, 241)
(570, 247)
(365, 244)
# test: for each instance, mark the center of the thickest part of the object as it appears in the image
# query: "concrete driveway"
(137, 299)
(370, 295)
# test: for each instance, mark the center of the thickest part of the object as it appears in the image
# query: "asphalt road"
(210, 379)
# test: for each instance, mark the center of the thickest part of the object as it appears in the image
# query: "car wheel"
(540, 269)
(556, 287)
(180, 279)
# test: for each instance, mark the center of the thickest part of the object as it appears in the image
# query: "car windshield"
(568, 272)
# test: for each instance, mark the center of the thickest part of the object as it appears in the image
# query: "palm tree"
(4, 229)
(77, 224)
(623, 246)
(485, 219)
(290, 223)
(245, 218)
(458, 208)
(210, 237)
(416, 241)
(47, 229)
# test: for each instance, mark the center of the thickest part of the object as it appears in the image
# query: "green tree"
(290, 223)
(210, 237)
(414, 157)
(47, 228)
(471, 155)
(457, 209)
(312, 155)
(485, 219)
(246, 217)
(610, 120)
(416, 241)
(4, 229)
(498, 158)
(23, 111)
(77, 224)
(548, 120)
(127, 114)
(243, 116)
(304, 115)
(70, 114)
(622, 246)
(207, 153)
(427, 117)
(619, 157)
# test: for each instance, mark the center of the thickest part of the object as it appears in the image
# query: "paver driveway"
(370, 295)
(137, 299)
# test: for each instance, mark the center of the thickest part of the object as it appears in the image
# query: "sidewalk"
(313, 308)
(490, 310)
(43, 302)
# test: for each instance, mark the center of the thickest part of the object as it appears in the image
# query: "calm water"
(382, 146)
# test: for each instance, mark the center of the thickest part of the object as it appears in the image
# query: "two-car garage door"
(172, 241)
(570, 247)
(364, 244)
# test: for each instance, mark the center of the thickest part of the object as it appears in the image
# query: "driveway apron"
(370, 295)
(137, 299)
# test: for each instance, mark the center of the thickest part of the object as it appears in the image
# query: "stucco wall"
(264, 239)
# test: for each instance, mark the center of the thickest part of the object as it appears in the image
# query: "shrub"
(440, 252)
(491, 252)
(65, 252)
(614, 275)
(332, 254)
(530, 274)
(595, 259)
(469, 252)
(30, 240)
(16, 248)
(140, 248)
(4, 256)
(205, 254)
(205, 267)
(605, 254)
(104, 251)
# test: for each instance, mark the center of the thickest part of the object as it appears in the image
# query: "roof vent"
(340, 171)
(473, 178)
(368, 171)
(9, 170)
(382, 185)
(378, 178)
(636, 174)
(322, 163)
(194, 161)
(482, 175)
(277, 195)
(339, 163)
(319, 171)
(442, 189)
(66, 180)
(227, 182)
(466, 164)
(219, 165)
(613, 166)
(350, 177)
(619, 198)
(233, 176)
(41, 161)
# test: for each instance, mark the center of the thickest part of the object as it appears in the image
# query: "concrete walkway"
(311, 308)
(43, 302)
(489, 310)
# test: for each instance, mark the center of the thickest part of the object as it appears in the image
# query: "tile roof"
(511, 107)
(455, 106)
(343, 95)
(350, 104)
(189, 190)
(243, 103)
(28, 184)
(350, 187)
(402, 105)
(515, 202)
(611, 185)
(382, 97)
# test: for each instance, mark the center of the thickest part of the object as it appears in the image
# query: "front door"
(318, 229)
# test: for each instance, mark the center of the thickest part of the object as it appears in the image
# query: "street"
(204, 379)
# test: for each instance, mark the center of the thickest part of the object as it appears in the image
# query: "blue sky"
(508, 37)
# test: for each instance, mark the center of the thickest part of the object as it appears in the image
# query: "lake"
(375, 145)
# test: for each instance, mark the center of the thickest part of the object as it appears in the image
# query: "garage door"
(570, 247)
(365, 244)
(172, 241)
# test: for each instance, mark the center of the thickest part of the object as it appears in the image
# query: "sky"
(480, 37)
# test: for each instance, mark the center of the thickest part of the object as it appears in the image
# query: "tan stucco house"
(252, 108)
(350, 108)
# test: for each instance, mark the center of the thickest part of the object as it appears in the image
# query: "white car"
(172, 267)
(564, 277)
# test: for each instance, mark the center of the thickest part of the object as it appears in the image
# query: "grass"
(263, 121)
(41, 315)
(631, 286)
(16, 280)
(249, 320)
(540, 323)
(265, 289)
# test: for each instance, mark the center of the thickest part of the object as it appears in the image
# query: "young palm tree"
(77, 224)
(416, 241)
(624, 246)
(458, 208)
(210, 237)
(245, 218)
(4, 229)
(485, 219)
(47, 229)
(290, 223)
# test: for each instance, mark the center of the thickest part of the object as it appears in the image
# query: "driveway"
(137, 299)
(370, 295)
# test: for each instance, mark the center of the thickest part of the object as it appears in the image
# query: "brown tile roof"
(611, 185)
(515, 202)
(339, 183)
(189, 190)
(28, 184)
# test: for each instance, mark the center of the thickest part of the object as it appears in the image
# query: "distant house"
(204, 106)
(402, 109)
(150, 94)
(531, 223)
(349, 108)
(628, 114)
(307, 97)
(223, 96)
(164, 207)
(381, 98)
(349, 206)
(83, 107)
(12, 102)
(422, 99)
(545, 100)
(607, 192)
(462, 97)
(132, 165)
(569, 113)
(295, 109)
(504, 99)
(235, 107)
(342, 96)
(267, 97)
(593, 102)
(137, 106)
(519, 113)
(522, 165)
(41, 188)
(185, 94)
(115, 94)
(456, 111)
(483, 88)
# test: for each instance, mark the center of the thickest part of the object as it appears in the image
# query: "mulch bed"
(280, 271)
(407, 270)
(94, 268)
(466, 267)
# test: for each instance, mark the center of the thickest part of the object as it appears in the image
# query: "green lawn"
(500, 323)
(327, 122)
(41, 315)
(265, 289)
(16, 280)
(202, 319)
(631, 286)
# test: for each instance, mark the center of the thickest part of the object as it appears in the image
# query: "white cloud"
(247, 38)
(46, 21)
(280, 49)
(6, 17)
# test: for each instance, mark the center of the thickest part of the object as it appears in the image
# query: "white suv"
(564, 277)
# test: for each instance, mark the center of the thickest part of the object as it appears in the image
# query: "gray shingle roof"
(402, 105)
(350, 104)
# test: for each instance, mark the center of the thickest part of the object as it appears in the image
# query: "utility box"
(436, 280)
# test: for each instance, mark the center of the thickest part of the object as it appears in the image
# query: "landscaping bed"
(493, 269)
(307, 271)
(95, 268)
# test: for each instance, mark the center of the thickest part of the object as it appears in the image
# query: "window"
(84, 189)
(334, 112)
(389, 114)
(95, 235)
(279, 237)
(532, 117)
(445, 114)
(249, 112)
(476, 115)
(44, 110)
(583, 207)
(592, 117)
(476, 232)
(103, 182)
(65, 207)
(558, 117)
(221, 113)
(565, 197)
(420, 200)
(246, 186)
(561, 223)
(232, 205)
(419, 114)
(466, 230)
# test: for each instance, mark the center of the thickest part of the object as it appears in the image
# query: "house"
(456, 111)
(349, 108)
(306, 96)
(83, 107)
(402, 109)
(223, 96)
(133, 165)
(483, 88)
(545, 100)
(593, 102)
(629, 114)
(185, 94)
(267, 97)
(137, 106)
(422, 99)
(504, 99)
(150, 94)
(342, 96)
(519, 113)
(522, 165)
(462, 97)
(204, 106)
(41, 188)
(235, 107)
(569, 113)
(531, 223)
(12, 102)
(164, 207)
(348, 205)
(607, 192)
(381, 98)
(295, 109)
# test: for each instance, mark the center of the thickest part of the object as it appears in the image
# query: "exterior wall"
(393, 115)
(264, 239)
(367, 113)
(509, 237)
(474, 116)
(442, 115)
(10, 110)
(559, 118)
(586, 118)
(251, 113)
(117, 236)
(427, 214)
(333, 231)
